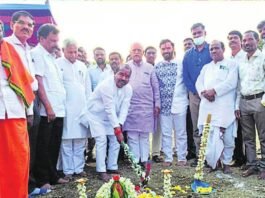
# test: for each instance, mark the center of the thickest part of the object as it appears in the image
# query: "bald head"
(136, 52)
(217, 50)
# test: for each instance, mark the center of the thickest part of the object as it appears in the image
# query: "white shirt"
(74, 84)
(108, 107)
(46, 67)
(180, 96)
(10, 103)
(97, 75)
(222, 77)
(24, 53)
(238, 58)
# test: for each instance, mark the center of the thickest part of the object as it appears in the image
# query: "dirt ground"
(225, 185)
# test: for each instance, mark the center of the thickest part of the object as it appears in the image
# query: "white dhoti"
(178, 121)
(101, 150)
(73, 159)
(139, 145)
(220, 145)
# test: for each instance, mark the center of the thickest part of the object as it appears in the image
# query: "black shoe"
(113, 172)
(206, 164)
(90, 160)
(190, 156)
(194, 163)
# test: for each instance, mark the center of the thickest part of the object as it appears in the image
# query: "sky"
(115, 25)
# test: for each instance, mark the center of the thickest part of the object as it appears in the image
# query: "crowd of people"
(55, 106)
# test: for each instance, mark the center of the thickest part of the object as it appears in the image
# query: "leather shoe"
(190, 156)
(104, 177)
(113, 172)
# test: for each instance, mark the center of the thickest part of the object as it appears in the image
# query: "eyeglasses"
(30, 25)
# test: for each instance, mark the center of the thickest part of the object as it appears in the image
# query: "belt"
(251, 97)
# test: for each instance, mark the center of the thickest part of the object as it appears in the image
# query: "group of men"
(73, 103)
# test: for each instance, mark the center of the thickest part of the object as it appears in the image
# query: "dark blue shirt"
(193, 62)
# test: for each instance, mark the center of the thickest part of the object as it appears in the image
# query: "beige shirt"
(252, 74)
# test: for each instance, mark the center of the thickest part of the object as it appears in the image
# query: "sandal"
(157, 159)
(261, 176)
(210, 170)
(167, 164)
(40, 191)
(182, 163)
(248, 172)
(47, 186)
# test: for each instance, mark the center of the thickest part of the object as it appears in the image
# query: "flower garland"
(199, 169)
(108, 190)
(198, 185)
(81, 188)
(167, 183)
(144, 176)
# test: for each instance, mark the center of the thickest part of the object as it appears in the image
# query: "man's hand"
(156, 111)
(30, 120)
(118, 134)
(237, 114)
(50, 114)
(222, 129)
(209, 94)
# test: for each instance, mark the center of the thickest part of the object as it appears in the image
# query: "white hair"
(69, 41)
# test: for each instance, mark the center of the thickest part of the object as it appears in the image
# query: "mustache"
(233, 42)
(25, 29)
(123, 81)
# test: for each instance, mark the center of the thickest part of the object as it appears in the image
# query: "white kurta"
(74, 84)
(223, 78)
(180, 97)
(107, 107)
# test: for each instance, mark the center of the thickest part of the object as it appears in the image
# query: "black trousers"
(239, 155)
(33, 135)
(191, 145)
(48, 147)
